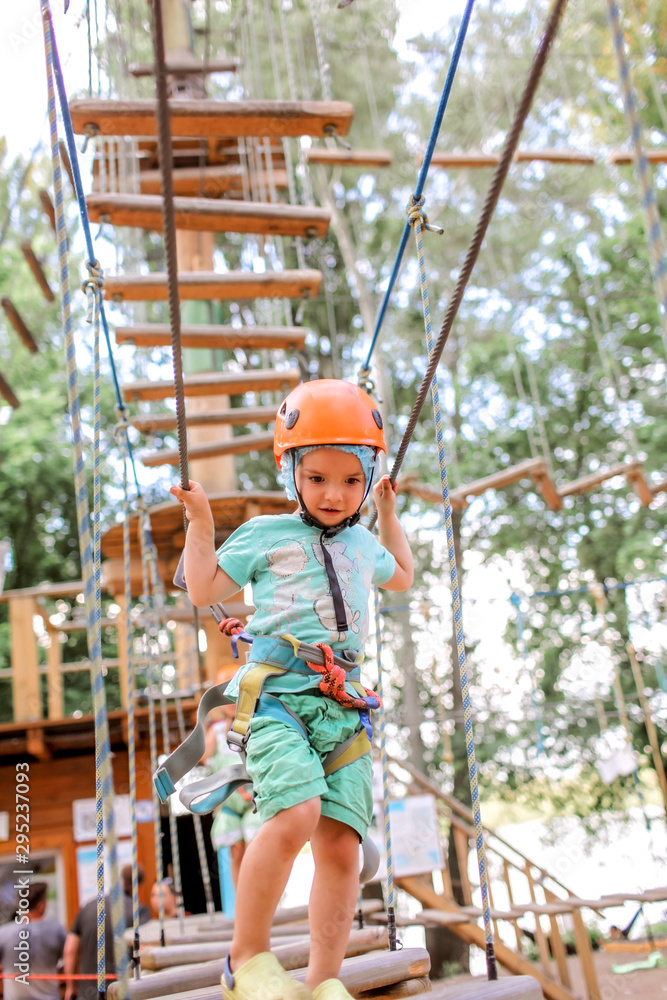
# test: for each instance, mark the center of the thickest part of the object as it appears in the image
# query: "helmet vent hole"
(283, 409)
(377, 418)
(291, 419)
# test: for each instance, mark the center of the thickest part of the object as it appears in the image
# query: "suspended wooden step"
(47, 205)
(16, 320)
(240, 445)
(65, 160)
(535, 468)
(215, 383)
(350, 157)
(209, 215)
(38, 271)
(187, 68)
(159, 422)
(214, 118)
(207, 182)
(553, 156)
(213, 337)
(633, 471)
(623, 156)
(8, 394)
(476, 160)
(207, 285)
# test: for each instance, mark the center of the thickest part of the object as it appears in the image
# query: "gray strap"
(204, 795)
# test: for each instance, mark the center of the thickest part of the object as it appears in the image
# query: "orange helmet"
(327, 411)
(226, 672)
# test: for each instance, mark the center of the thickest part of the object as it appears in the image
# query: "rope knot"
(121, 428)
(92, 287)
(90, 131)
(364, 380)
(416, 214)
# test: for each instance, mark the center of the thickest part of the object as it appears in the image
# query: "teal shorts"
(286, 769)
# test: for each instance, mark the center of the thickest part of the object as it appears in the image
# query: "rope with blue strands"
(89, 548)
(654, 234)
(364, 373)
(418, 219)
(120, 433)
(391, 916)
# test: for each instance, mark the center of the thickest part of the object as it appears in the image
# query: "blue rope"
(85, 223)
(421, 181)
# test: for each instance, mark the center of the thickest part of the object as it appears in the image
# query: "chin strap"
(330, 531)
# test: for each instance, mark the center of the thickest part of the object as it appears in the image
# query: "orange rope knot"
(230, 626)
(333, 683)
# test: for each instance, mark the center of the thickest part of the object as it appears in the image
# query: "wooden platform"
(209, 215)
(349, 157)
(214, 118)
(208, 285)
(240, 445)
(241, 415)
(213, 337)
(215, 383)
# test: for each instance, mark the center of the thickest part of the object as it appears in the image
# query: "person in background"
(44, 940)
(169, 901)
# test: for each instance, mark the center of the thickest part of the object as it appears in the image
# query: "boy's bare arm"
(207, 583)
(392, 536)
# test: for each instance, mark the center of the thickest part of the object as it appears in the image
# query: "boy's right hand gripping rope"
(333, 683)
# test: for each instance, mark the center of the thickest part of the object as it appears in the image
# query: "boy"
(311, 573)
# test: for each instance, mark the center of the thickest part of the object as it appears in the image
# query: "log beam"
(15, 318)
(38, 271)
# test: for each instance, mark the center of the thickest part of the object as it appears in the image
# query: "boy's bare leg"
(266, 867)
(236, 852)
(333, 897)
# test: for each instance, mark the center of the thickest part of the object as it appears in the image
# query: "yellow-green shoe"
(261, 978)
(331, 989)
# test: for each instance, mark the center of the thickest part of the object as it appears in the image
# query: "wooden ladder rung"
(462, 159)
(585, 483)
(211, 384)
(187, 68)
(214, 118)
(622, 156)
(350, 157)
(209, 215)
(8, 393)
(35, 266)
(553, 156)
(48, 207)
(206, 181)
(240, 445)
(207, 285)
(158, 422)
(213, 337)
(15, 318)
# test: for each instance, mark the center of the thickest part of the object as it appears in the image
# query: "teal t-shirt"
(282, 558)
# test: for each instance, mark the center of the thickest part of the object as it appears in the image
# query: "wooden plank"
(15, 318)
(585, 483)
(47, 205)
(557, 944)
(507, 988)
(215, 383)
(234, 415)
(510, 896)
(535, 468)
(462, 850)
(64, 159)
(514, 963)
(24, 660)
(640, 486)
(207, 285)
(213, 337)
(202, 951)
(8, 395)
(206, 118)
(183, 978)
(584, 951)
(206, 181)
(473, 160)
(660, 487)
(658, 155)
(241, 445)
(349, 157)
(182, 68)
(38, 271)
(406, 988)
(553, 156)
(209, 215)
(540, 939)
